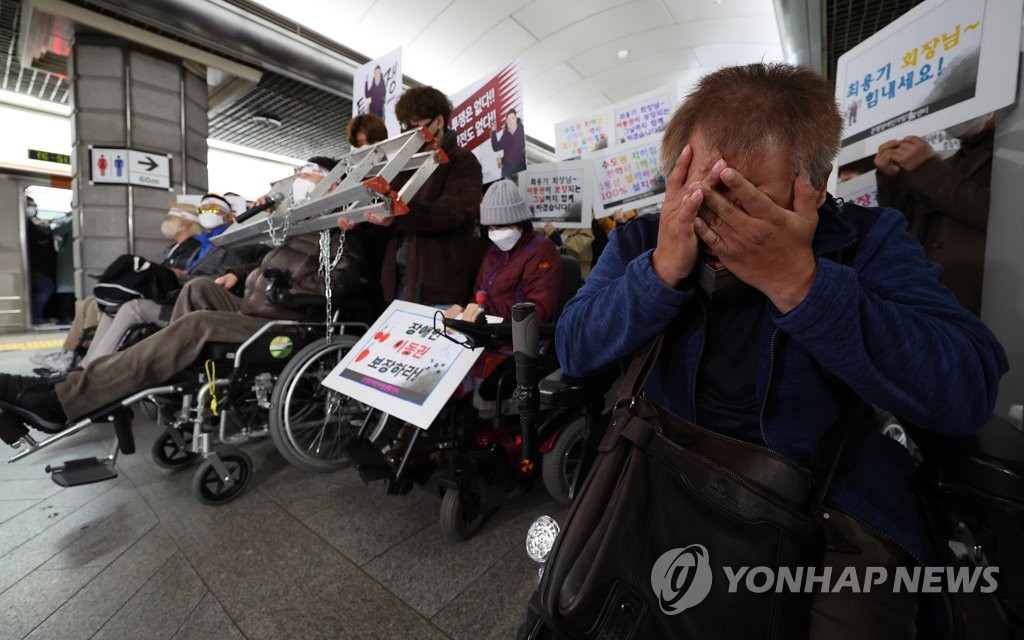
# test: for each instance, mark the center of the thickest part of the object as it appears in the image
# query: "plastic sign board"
(550, 190)
(488, 120)
(108, 166)
(402, 366)
(942, 63)
(149, 169)
(644, 115)
(579, 136)
(376, 87)
(628, 176)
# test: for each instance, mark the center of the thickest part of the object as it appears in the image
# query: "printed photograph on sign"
(488, 120)
(577, 137)
(376, 87)
(559, 193)
(402, 366)
(628, 176)
(643, 116)
(943, 62)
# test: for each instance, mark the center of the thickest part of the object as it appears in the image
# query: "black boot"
(12, 386)
(41, 399)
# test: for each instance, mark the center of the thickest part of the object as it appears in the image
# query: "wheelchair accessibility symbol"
(681, 578)
(281, 347)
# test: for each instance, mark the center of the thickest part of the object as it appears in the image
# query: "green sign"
(49, 156)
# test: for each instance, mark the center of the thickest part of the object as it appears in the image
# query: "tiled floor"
(299, 555)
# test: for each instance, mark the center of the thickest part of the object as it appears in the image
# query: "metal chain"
(327, 265)
(279, 234)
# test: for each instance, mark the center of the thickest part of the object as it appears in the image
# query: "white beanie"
(503, 205)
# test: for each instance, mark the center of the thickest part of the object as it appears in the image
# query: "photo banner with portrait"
(628, 176)
(644, 115)
(577, 137)
(376, 87)
(487, 119)
(942, 63)
(560, 193)
(402, 366)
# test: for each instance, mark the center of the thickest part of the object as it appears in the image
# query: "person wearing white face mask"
(521, 265)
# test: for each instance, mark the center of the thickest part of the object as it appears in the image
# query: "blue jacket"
(206, 240)
(876, 320)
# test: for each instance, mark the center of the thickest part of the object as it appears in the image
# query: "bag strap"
(825, 459)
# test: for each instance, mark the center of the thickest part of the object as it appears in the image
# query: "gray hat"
(503, 205)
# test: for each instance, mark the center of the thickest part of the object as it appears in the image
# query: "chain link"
(280, 233)
(327, 265)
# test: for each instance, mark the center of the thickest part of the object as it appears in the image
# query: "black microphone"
(274, 198)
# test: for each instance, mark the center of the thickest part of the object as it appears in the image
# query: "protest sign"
(402, 366)
(552, 188)
(628, 176)
(376, 87)
(644, 115)
(488, 120)
(942, 63)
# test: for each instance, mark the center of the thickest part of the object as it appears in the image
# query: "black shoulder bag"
(665, 509)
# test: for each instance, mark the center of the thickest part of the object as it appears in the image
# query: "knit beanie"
(503, 205)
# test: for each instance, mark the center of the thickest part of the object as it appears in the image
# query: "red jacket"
(530, 272)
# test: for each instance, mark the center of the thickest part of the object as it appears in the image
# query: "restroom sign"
(129, 166)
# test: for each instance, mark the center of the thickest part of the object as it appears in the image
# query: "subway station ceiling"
(299, 110)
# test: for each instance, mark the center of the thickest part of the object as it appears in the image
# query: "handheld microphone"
(481, 299)
(274, 198)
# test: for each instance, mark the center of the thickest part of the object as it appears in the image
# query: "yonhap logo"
(681, 578)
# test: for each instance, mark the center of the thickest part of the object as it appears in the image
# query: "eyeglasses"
(416, 124)
(215, 210)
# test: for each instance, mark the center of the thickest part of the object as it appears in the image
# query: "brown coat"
(946, 204)
(439, 230)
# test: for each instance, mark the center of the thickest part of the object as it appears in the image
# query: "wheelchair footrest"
(82, 471)
(375, 470)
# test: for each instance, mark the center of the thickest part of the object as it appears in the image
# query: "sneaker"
(57, 362)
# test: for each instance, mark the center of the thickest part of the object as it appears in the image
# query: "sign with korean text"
(628, 176)
(402, 366)
(376, 87)
(862, 190)
(560, 192)
(942, 63)
(579, 136)
(488, 120)
(643, 116)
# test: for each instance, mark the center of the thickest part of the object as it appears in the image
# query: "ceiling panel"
(483, 57)
(590, 33)
(661, 70)
(390, 24)
(550, 83)
(543, 18)
(471, 20)
(689, 10)
(50, 87)
(713, 56)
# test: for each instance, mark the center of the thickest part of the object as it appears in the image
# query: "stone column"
(125, 96)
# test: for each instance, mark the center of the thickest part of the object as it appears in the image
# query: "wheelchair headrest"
(572, 279)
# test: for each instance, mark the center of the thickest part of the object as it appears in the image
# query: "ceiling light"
(622, 54)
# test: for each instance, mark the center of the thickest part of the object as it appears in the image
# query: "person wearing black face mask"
(42, 260)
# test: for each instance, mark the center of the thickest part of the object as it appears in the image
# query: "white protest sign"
(942, 63)
(402, 366)
(376, 87)
(628, 176)
(550, 189)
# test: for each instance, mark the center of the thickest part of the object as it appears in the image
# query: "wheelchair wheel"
(168, 454)
(211, 489)
(311, 424)
(558, 466)
(464, 510)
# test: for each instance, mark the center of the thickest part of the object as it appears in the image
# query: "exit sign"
(49, 156)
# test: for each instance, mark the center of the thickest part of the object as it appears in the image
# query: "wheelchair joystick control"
(526, 343)
(481, 300)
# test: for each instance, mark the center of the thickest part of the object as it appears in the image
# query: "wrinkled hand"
(763, 244)
(676, 253)
(228, 280)
(346, 225)
(884, 160)
(912, 153)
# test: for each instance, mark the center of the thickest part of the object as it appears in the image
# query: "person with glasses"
(433, 251)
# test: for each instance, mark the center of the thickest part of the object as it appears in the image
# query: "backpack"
(130, 277)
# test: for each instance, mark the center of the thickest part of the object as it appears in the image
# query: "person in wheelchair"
(215, 215)
(777, 302)
(181, 226)
(162, 356)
